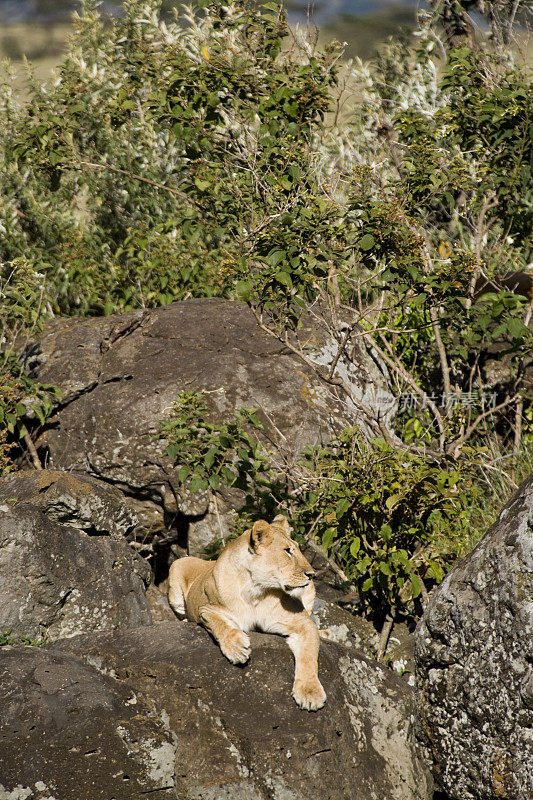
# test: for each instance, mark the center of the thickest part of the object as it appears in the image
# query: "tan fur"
(261, 581)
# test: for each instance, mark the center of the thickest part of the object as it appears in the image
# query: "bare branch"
(35, 460)
(455, 446)
(434, 316)
(400, 369)
(108, 168)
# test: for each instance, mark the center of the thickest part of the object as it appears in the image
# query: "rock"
(79, 501)
(474, 656)
(70, 732)
(120, 375)
(337, 625)
(400, 654)
(57, 581)
(234, 732)
(352, 630)
(216, 523)
(158, 604)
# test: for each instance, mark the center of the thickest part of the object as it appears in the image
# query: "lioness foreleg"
(234, 643)
(307, 689)
(304, 640)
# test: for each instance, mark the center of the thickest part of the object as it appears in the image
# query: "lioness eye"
(288, 549)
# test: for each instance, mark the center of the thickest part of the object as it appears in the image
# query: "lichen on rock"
(474, 656)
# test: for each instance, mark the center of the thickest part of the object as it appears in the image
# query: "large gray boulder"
(76, 500)
(159, 711)
(58, 581)
(120, 375)
(70, 732)
(474, 657)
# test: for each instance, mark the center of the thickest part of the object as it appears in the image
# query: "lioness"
(261, 581)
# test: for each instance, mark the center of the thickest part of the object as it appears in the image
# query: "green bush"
(208, 454)
(141, 175)
(395, 520)
(24, 403)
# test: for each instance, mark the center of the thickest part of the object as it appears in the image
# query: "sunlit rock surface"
(474, 654)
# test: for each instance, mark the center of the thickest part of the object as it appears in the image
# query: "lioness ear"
(259, 533)
(281, 522)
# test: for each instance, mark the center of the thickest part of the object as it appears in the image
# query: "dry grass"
(41, 44)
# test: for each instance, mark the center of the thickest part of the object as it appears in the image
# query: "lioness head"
(278, 562)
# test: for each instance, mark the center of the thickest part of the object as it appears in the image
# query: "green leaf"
(355, 546)
(243, 290)
(196, 484)
(284, 278)
(416, 585)
(327, 538)
(227, 475)
(386, 532)
(183, 473)
(276, 256)
(214, 481)
(294, 172)
(202, 185)
(363, 565)
(342, 507)
(209, 457)
(55, 157)
(367, 242)
(399, 556)
(391, 501)
(516, 328)
(436, 571)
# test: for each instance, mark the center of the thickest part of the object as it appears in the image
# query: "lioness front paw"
(236, 647)
(309, 695)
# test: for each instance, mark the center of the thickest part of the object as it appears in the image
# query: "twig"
(399, 368)
(384, 636)
(517, 430)
(108, 167)
(269, 418)
(488, 202)
(434, 316)
(509, 27)
(423, 592)
(456, 445)
(321, 552)
(340, 351)
(336, 569)
(35, 460)
(386, 129)
(218, 517)
(315, 367)
(334, 283)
